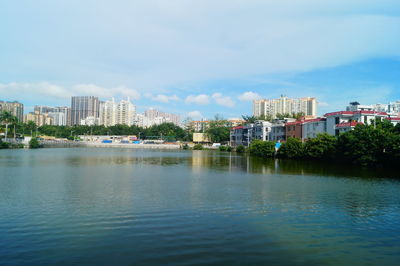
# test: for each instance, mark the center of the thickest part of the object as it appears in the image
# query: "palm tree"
(31, 126)
(6, 118)
(14, 122)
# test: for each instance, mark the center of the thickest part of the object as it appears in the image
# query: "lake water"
(133, 207)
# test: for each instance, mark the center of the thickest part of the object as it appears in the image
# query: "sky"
(200, 58)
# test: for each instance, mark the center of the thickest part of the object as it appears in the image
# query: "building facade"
(15, 108)
(82, 107)
(285, 105)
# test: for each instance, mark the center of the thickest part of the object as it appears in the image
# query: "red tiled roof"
(238, 127)
(349, 124)
(393, 118)
(354, 112)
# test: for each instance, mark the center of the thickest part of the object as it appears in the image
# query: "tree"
(292, 148)
(31, 126)
(262, 148)
(218, 131)
(321, 147)
(34, 143)
(6, 118)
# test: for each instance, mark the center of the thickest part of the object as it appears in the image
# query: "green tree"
(292, 148)
(364, 145)
(240, 149)
(31, 126)
(34, 143)
(262, 148)
(322, 147)
(6, 118)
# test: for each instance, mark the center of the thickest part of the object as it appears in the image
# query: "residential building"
(125, 113)
(90, 121)
(312, 127)
(58, 118)
(285, 105)
(294, 130)
(82, 107)
(278, 131)
(62, 113)
(38, 118)
(15, 108)
(108, 113)
(336, 121)
(152, 114)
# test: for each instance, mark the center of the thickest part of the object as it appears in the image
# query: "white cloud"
(223, 100)
(195, 115)
(164, 98)
(249, 96)
(201, 99)
(234, 39)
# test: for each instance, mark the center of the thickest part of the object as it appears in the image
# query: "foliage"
(185, 146)
(229, 148)
(218, 131)
(4, 145)
(322, 147)
(222, 148)
(292, 148)
(34, 143)
(262, 148)
(367, 145)
(198, 147)
(252, 119)
(240, 149)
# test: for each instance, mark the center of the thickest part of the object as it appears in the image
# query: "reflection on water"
(90, 206)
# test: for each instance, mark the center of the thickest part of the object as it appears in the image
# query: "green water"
(134, 207)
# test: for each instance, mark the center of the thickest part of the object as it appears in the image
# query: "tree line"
(367, 145)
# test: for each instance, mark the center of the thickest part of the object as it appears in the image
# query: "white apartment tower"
(285, 105)
(112, 113)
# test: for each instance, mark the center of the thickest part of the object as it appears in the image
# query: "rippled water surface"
(121, 206)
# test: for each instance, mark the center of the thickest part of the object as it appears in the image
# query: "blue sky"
(200, 58)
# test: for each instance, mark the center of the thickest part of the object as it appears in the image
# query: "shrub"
(228, 148)
(34, 143)
(222, 148)
(292, 148)
(4, 145)
(262, 148)
(185, 146)
(198, 147)
(240, 149)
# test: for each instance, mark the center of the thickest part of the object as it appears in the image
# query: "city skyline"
(202, 58)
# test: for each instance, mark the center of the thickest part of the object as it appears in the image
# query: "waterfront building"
(312, 127)
(82, 107)
(15, 108)
(285, 105)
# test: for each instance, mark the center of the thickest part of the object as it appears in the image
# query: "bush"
(262, 148)
(222, 148)
(185, 146)
(240, 149)
(4, 145)
(34, 143)
(292, 148)
(228, 148)
(198, 147)
(322, 147)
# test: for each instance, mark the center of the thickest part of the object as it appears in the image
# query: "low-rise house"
(312, 127)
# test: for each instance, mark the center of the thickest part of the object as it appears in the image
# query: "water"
(121, 206)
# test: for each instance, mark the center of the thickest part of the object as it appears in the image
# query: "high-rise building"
(82, 107)
(285, 105)
(126, 112)
(108, 110)
(15, 108)
(156, 115)
(62, 113)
